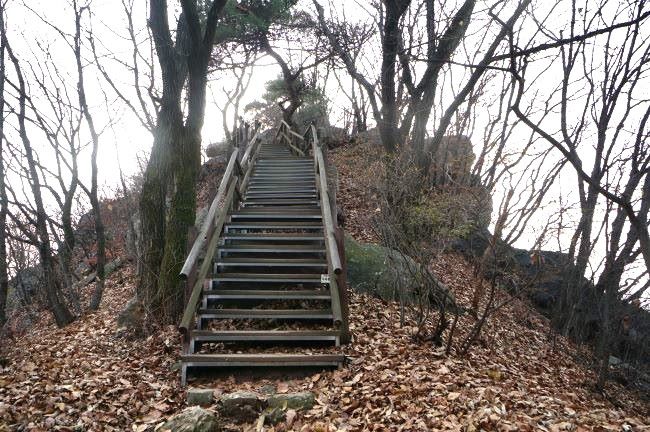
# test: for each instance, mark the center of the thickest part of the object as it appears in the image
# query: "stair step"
(281, 192)
(282, 178)
(266, 277)
(294, 170)
(275, 236)
(269, 215)
(272, 248)
(289, 187)
(245, 294)
(283, 173)
(263, 360)
(293, 210)
(271, 262)
(264, 335)
(297, 314)
(275, 225)
(275, 163)
(249, 201)
(281, 195)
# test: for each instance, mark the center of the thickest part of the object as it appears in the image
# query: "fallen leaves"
(86, 376)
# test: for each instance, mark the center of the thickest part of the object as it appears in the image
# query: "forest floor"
(89, 376)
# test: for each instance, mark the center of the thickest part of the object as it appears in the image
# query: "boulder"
(132, 317)
(240, 406)
(386, 273)
(273, 416)
(193, 420)
(198, 396)
(297, 401)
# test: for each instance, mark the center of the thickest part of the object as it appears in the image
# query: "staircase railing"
(332, 247)
(296, 142)
(195, 270)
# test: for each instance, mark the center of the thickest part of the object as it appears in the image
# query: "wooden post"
(339, 236)
(342, 280)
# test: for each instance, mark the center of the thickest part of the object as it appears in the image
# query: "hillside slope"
(89, 376)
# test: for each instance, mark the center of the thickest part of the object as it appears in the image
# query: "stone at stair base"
(296, 401)
(241, 406)
(244, 407)
(198, 396)
(193, 419)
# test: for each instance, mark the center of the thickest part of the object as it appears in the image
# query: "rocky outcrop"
(452, 160)
(216, 150)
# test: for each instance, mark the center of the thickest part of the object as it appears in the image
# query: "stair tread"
(271, 247)
(274, 260)
(296, 225)
(267, 313)
(266, 332)
(279, 201)
(291, 210)
(268, 294)
(264, 358)
(267, 276)
(272, 236)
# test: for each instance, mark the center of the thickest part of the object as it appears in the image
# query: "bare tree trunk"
(388, 126)
(153, 203)
(4, 276)
(93, 192)
(69, 239)
(57, 306)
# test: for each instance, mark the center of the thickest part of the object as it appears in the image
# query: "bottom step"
(258, 360)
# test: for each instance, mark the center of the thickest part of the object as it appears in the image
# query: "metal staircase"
(264, 272)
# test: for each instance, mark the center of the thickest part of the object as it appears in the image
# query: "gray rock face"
(296, 401)
(240, 406)
(132, 317)
(197, 396)
(384, 272)
(193, 420)
(216, 150)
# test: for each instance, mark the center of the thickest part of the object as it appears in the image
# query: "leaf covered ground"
(88, 376)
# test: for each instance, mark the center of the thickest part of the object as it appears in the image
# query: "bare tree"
(443, 36)
(243, 71)
(613, 115)
(41, 238)
(4, 273)
(92, 192)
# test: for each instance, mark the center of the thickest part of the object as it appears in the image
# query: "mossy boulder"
(388, 274)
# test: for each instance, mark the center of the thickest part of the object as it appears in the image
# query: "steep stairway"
(270, 299)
